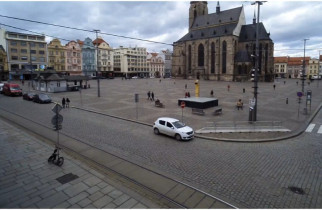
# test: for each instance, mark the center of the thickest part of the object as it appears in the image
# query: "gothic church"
(220, 46)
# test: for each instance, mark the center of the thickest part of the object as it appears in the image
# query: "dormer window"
(191, 35)
(202, 34)
(214, 32)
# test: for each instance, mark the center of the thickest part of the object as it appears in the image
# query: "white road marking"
(310, 128)
(320, 129)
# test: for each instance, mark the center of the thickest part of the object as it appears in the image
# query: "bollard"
(243, 90)
(286, 100)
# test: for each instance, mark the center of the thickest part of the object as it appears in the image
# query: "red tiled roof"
(283, 59)
(298, 60)
(98, 41)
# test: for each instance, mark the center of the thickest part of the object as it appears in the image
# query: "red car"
(12, 89)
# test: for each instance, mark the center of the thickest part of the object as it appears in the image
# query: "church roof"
(215, 19)
(205, 33)
(248, 33)
(214, 25)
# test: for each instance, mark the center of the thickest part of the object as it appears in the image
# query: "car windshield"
(15, 88)
(44, 97)
(178, 124)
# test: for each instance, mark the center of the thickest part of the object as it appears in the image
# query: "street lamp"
(98, 78)
(254, 115)
(303, 69)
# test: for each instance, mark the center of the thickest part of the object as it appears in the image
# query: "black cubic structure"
(199, 102)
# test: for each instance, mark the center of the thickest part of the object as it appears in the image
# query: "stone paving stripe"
(310, 128)
(84, 202)
(175, 191)
(194, 199)
(205, 203)
(154, 181)
(77, 198)
(139, 206)
(320, 129)
(125, 167)
(184, 195)
(96, 196)
(220, 205)
(92, 181)
(120, 200)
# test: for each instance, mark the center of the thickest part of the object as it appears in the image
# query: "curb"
(299, 132)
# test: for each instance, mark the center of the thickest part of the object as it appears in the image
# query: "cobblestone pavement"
(28, 181)
(255, 175)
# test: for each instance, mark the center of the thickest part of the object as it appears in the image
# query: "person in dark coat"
(152, 96)
(149, 94)
(63, 102)
(67, 102)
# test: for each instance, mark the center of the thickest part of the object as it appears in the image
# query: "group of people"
(150, 96)
(65, 102)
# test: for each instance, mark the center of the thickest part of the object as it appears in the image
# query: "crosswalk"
(311, 127)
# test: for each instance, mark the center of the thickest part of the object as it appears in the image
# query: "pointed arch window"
(224, 57)
(201, 55)
(213, 58)
(189, 59)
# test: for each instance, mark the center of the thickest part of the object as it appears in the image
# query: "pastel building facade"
(73, 58)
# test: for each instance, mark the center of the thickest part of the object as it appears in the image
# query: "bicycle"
(54, 158)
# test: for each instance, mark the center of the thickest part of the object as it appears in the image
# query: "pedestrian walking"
(228, 87)
(152, 96)
(67, 102)
(274, 86)
(63, 102)
(149, 95)
(284, 82)
(297, 82)
(188, 94)
(243, 90)
(212, 93)
(185, 86)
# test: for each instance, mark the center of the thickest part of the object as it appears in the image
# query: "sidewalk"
(27, 180)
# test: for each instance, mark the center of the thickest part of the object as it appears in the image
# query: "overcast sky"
(289, 22)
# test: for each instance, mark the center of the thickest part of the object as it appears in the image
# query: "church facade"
(221, 46)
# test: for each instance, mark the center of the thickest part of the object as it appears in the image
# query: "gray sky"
(289, 22)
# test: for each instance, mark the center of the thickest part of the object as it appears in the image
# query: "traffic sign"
(299, 94)
(57, 119)
(183, 104)
(58, 127)
(57, 108)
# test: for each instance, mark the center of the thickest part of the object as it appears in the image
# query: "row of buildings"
(292, 67)
(23, 54)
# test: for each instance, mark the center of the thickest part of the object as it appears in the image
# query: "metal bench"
(197, 111)
(217, 111)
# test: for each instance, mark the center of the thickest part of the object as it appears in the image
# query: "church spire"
(217, 7)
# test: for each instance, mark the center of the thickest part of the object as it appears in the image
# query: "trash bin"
(251, 114)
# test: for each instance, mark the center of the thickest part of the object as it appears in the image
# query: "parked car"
(12, 89)
(173, 127)
(1, 87)
(41, 98)
(135, 77)
(28, 96)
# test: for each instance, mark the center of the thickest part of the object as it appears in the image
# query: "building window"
(41, 45)
(42, 59)
(23, 51)
(24, 58)
(33, 51)
(41, 52)
(189, 59)
(32, 44)
(213, 58)
(13, 43)
(224, 57)
(201, 55)
(23, 43)
(33, 58)
(14, 50)
(14, 57)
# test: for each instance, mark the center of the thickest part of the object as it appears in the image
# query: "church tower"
(197, 8)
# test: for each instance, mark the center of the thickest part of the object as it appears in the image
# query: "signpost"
(57, 121)
(136, 99)
(299, 94)
(183, 104)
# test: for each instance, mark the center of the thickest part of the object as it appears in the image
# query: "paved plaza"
(256, 175)
(275, 106)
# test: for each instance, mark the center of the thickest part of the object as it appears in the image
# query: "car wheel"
(156, 131)
(178, 137)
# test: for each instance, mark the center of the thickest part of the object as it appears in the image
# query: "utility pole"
(303, 69)
(98, 79)
(256, 60)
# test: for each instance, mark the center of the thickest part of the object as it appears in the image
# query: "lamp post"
(303, 69)
(254, 118)
(319, 70)
(98, 79)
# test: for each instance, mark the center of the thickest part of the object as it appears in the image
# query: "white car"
(173, 127)
(1, 87)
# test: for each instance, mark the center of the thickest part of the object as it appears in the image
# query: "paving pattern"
(28, 181)
(250, 175)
